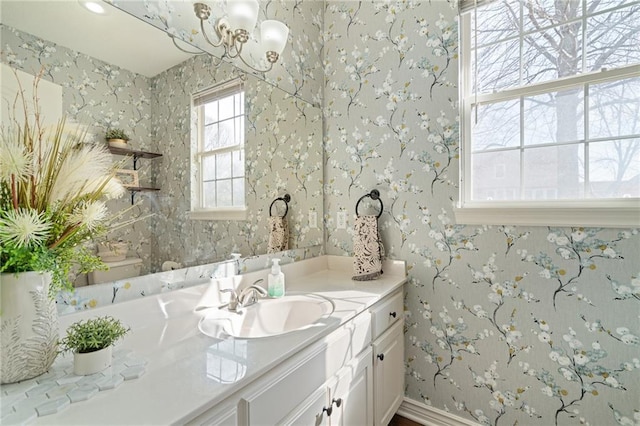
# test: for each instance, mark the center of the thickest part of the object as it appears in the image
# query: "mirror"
(283, 148)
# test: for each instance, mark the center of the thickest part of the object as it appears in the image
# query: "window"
(217, 147)
(550, 100)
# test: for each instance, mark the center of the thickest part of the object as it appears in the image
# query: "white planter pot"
(92, 362)
(29, 326)
(117, 143)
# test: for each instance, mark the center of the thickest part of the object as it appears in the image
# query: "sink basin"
(268, 317)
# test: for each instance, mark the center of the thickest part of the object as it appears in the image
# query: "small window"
(217, 147)
(549, 109)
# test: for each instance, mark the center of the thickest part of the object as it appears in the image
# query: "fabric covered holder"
(278, 234)
(368, 249)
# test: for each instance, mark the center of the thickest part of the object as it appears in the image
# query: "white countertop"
(182, 378)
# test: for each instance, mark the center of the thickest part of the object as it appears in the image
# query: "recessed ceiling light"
(93, 6)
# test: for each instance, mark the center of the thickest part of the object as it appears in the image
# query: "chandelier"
(234, 29)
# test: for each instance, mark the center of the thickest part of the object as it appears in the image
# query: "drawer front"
(270, 402)
(386, 313)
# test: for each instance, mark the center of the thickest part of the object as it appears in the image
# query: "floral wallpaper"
(504, 324)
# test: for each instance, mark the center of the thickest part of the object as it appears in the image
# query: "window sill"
(600, 214)
(236, 214)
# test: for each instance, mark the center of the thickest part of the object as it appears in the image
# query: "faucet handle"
(233, 301)
(258, 288)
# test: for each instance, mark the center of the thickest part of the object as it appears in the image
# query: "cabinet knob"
(328, 410)
(393, 314)
(338, 402)
(381, 357)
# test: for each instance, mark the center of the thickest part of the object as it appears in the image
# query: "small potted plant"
(91, 342)
(117, 138)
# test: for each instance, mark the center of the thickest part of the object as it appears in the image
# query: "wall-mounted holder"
(374, 195)
(286, 200)
(135, 155)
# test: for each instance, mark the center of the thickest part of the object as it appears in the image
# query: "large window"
(550, 98)
(218, 172)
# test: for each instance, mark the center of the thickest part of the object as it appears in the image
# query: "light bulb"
(242, 14)
(273, 36)
(93, 6)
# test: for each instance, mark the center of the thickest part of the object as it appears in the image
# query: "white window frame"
(612, 212)
(198, 212)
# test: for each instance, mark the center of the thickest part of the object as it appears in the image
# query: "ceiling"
(115, 37)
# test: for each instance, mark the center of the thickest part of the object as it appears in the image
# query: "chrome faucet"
(249, 295)
(246, 297)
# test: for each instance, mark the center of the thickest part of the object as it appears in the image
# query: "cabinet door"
(311, 412)
(388, 367)
(352, 394)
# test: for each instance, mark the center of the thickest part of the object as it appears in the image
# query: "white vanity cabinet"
(388, 354)
(347, 379)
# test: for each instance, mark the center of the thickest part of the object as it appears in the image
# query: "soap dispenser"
(276, 280)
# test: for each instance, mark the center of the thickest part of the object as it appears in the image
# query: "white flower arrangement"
(52, 192)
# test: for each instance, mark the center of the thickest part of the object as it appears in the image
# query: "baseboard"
(429, 416)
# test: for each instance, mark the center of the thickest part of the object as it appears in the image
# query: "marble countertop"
(188, 372)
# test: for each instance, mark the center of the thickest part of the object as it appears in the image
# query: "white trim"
(235, 214)
(430, 416)
(557, 85)
(606, 214)
(219, 91)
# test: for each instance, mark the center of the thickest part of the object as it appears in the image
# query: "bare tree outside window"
(556, 90)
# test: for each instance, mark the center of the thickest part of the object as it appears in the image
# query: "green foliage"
(92, 335)
(53, 189)
(116, 134)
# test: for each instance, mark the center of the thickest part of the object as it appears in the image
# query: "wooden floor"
(401, 421)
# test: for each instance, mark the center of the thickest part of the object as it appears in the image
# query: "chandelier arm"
(175, 43)
(254, 68)
(238, 50)
(206, 37)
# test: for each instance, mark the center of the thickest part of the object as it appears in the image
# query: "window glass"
(614, 108)
(548, 13)
(613, 38)
(223, 188)
(552, 53)
(209, 168)
(539, 124)
(209, 194)
(498, 126)
(543, 113)
(219, 157)
(488, 185)
(614, 169)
